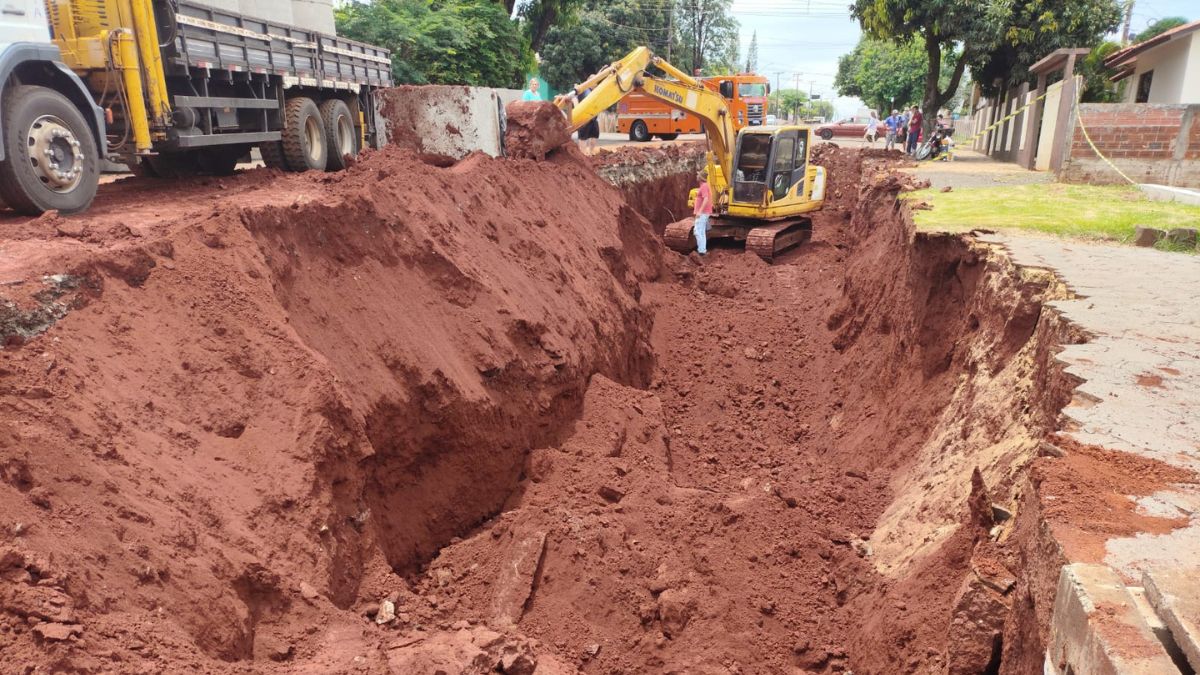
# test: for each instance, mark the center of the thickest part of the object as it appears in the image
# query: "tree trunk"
(933, 73)
(538, 32)
(934, 96)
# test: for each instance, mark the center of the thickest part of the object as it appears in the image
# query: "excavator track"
(769, 240)
(678, 236)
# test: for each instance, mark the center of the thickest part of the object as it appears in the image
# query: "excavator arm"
(621, 78)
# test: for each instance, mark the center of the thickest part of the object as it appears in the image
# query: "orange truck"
(643, 117)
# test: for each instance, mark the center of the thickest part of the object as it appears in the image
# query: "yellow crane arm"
(621, 78)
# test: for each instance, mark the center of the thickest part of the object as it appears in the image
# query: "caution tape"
(1078, 121)
(1087, 137)
(993, 125)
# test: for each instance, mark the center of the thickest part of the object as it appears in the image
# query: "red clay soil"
(535, 129)
(721, 521)
(1087, 496)
(409, 418)
(246, 407)
(655, 181)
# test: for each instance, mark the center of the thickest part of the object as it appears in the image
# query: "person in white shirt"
(872, 128)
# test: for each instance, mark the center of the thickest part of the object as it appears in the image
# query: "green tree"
(1159, 27)
(539, 16)
(787, 103)
(471, 42)
(1036, 28)
(1097, 88)
(708, 36)
(600, 34)
(938, 26)
(752, 55)
(818, 108)
(887, 75)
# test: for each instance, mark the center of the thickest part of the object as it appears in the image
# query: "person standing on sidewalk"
(702, 210)
(914, 129)
(893, 122)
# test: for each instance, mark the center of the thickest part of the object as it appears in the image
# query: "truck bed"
(218, 39)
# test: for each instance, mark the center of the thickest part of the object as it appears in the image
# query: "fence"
(1149, 142)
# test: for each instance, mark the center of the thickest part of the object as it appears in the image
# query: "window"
(752, 89)
(750, 170)
(783, 155)
(781, 168)
(801, 148)
(1143, 90)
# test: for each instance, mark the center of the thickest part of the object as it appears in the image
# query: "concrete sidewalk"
(971, 169)
(1140, 393)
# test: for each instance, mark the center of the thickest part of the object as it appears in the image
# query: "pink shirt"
(703, 200)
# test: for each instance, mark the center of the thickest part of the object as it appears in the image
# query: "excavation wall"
(470, 416)
(654, 181)
(287, 394)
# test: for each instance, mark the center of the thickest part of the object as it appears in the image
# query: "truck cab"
(23, 21)
(51, 130)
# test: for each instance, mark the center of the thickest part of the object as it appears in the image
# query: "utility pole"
(1128, 20)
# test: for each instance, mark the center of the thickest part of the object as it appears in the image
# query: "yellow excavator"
(762, 181)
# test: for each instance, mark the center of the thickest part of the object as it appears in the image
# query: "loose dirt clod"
(535, 129)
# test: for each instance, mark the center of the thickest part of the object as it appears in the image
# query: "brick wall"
(1150, 142)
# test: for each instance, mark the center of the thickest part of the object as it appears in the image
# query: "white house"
(1163, 69)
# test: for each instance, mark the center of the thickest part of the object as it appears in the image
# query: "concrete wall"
(1151, 143)
(1176, 67)
(449, 120)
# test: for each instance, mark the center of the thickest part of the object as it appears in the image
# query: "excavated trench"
(819, 475)
(450, 424)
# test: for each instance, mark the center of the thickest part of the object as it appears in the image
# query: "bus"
(643, 117)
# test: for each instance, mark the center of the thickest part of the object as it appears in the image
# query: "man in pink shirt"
(702, 210)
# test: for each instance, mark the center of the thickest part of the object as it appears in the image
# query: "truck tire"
(638, 132)
(50, 160)
(339, 133)
(304, 146)
(668, 137)
(272, 155)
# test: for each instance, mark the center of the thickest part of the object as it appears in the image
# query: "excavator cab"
(770, 171)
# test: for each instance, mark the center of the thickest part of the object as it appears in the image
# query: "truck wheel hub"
(54, 154)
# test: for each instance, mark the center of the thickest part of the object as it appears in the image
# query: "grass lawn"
(1083, 211)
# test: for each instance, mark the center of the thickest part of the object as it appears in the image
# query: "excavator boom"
(762, 182)
(620, 78)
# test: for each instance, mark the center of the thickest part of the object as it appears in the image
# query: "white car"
(771, 119)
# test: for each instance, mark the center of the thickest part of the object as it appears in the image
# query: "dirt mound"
(241, 418)
(535, 129)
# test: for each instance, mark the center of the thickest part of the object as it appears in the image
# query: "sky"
(801, 40)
